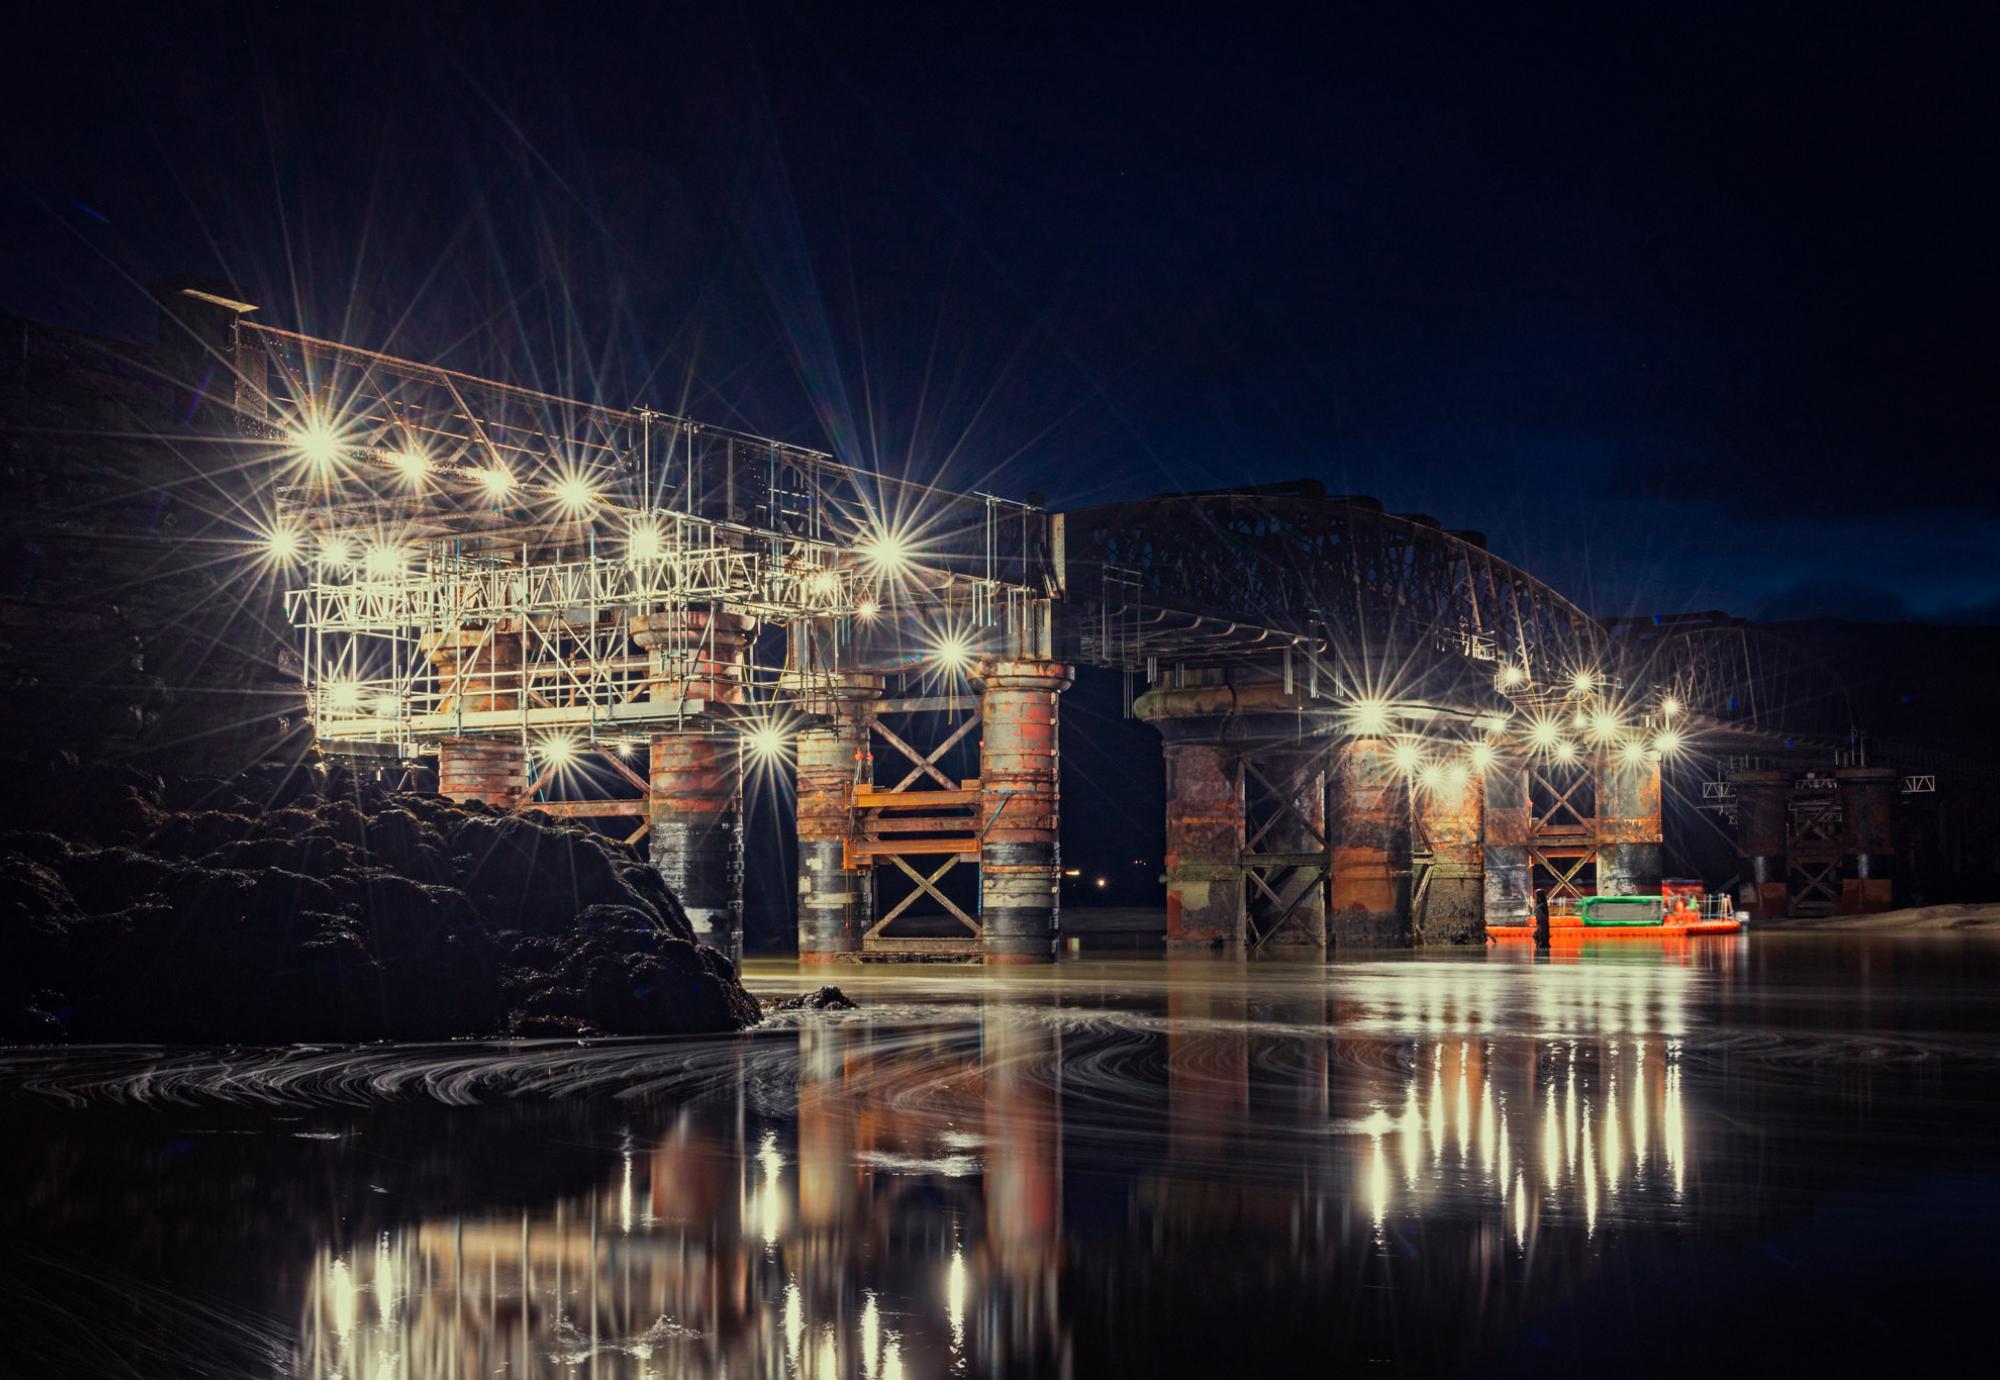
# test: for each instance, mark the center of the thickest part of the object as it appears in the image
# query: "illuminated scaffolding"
(477, 559)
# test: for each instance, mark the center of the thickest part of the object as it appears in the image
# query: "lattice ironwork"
(1213, 576)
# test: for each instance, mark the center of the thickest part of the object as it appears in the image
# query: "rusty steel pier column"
(1299, 829)
(1509, 884)
(1370, 816)
(1019, 861)
(1867, 806)
(695, 827)
(1763, 806)
(1204, 846)
(1628, 827)
(478, 672)
(696, 798)
(1450, 816)
(835, 901)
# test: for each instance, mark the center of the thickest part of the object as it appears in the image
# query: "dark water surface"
(1777, 1150)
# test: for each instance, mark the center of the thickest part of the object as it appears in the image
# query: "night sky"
(1688, 307)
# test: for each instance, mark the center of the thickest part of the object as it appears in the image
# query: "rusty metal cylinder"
(696, 832)
(478, 669)
(1763, 809)
(1019, 856)
(698, 657)
(1370, 817)
(1868, 854)
(835, 902)
(1509, 880)
(494, 770)
(695, 654)
(1204, 846)
(1298, 827)
(1628, 826)
(1451, 808)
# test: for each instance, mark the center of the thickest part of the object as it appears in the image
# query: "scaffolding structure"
(476, 559)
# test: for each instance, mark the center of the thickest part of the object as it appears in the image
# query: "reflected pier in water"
(1107, 1167)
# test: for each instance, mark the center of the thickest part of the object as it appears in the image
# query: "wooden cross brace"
(1288, 802)
(1562, 799)
(1256, 878)
(1565, 883)
(925, 886)
(926, 763)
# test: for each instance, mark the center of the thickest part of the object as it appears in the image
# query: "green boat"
(1620, 912)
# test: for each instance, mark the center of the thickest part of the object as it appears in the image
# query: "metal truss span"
(1211, 577)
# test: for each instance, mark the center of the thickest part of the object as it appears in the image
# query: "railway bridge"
(1376, 731)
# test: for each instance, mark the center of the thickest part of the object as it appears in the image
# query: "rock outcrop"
(304, 904)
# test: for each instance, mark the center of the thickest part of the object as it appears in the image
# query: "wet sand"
(1960, 919)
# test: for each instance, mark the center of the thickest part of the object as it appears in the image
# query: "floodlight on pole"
(1368, 718)
(316, 444)
(498, 481)
(574, 495)
(886, 551)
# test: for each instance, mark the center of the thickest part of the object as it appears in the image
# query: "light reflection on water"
(1125, 1164)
